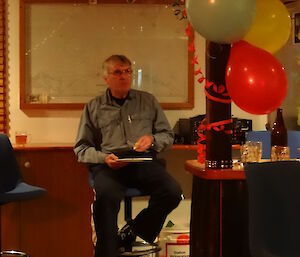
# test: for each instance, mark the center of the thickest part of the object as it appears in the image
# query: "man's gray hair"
(114, 59)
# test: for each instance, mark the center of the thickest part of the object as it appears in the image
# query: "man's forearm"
(88, 154)
(162, 141)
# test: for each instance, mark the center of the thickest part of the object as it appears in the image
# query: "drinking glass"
(21, 137)
(251, 151)
(280, 153)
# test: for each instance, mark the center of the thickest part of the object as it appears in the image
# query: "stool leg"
(128, 215)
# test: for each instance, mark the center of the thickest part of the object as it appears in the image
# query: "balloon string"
(218, 126)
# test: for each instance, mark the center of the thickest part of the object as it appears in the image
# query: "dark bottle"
(279, 132)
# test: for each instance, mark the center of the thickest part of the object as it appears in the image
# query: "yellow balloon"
(271, 27)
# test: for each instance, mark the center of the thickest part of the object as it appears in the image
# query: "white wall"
(61, 126)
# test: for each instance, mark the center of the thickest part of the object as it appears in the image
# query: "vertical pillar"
(218, 143)
(206, 211)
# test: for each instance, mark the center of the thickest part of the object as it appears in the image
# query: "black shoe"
(126, 238)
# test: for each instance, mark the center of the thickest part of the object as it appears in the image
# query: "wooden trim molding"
(25, 104)
(3, 111)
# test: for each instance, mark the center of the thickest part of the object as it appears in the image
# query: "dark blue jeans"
(150, 178)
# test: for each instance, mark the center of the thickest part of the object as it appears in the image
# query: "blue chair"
(274, 208)
(294, 143)
(12, 186)
(265, 138)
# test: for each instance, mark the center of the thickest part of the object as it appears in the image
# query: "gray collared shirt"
(105, 126)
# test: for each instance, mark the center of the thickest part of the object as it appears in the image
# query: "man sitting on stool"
(124, 118)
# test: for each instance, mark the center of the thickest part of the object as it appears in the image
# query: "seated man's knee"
(107, 195)
(174, 195)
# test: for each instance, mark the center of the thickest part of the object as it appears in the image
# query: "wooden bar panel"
(219, 217)
(235, 219)
(57, 224)
(205, 232)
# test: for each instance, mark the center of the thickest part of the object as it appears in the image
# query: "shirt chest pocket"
(110, 127)
(143, 122)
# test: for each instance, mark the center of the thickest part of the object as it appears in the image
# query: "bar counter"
(57, 224)
(198, 169)
(64, 146)
(219, 214)
(43, 146)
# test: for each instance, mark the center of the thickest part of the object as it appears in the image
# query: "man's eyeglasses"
(120, 72)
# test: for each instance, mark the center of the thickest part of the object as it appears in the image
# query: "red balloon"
(255, 80)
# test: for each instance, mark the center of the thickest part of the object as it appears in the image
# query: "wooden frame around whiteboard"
(24, 104)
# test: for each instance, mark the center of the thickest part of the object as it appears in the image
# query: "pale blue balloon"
(221, 21)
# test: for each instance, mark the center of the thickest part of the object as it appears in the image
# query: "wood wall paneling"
(3, 113)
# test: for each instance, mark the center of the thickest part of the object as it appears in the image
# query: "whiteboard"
(65, 45)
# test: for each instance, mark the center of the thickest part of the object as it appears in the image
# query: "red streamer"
(191, 47)
(221, 96)
(198, 72)
(200, 142)
(216, 99)
(195, 60)
(188, 30)
(201, 79)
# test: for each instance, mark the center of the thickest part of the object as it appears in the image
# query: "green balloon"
(221, 21)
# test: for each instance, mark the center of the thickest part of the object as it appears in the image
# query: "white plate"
(135, 159)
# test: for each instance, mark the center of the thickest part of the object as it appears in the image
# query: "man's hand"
(143, 143)
(112, 161)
